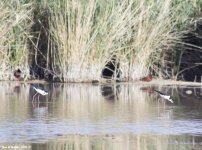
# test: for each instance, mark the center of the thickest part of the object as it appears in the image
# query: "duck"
(147, 78)
(17, 74)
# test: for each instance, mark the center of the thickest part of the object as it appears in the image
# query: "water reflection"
(82, 116)
(190, 92)
(114, 143)
(110, 92)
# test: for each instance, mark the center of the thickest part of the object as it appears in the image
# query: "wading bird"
(39, 91)
(167, 97)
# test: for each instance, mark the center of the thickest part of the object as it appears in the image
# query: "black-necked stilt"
(39, 91)
(167, 97)
(17, 74)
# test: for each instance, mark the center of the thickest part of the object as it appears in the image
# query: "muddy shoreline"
(153, 82)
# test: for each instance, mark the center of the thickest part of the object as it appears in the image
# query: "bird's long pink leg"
(34, 97)
(38, 97)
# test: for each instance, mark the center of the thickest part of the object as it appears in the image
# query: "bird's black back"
(33, 86)
(159, 92)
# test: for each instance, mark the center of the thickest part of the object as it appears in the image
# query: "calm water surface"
(112, 116)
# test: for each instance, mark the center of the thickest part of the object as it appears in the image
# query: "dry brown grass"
(14, 33)
(87, 34)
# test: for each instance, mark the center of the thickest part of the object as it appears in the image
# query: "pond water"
(102, 117)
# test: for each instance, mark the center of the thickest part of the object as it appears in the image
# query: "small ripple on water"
(42, 129)
(88, 113)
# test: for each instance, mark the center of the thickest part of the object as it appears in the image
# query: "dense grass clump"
(15, 22)
(85, 35)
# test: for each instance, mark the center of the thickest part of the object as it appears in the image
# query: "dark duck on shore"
(17, 74)
(147, 78)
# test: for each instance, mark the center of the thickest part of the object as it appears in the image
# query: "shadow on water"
(110, 92)
(112, 116)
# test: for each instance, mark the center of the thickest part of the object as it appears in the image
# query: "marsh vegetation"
(76, 41)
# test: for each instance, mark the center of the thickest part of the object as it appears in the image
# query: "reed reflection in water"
(111, 116)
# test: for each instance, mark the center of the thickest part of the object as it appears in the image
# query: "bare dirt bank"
(168, 82)
(153, 82)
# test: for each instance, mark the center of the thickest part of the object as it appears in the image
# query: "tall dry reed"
(15, 22)
(90, 33)
(87, 34)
